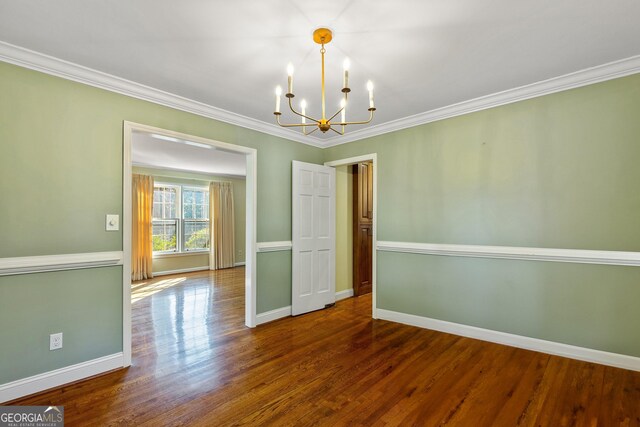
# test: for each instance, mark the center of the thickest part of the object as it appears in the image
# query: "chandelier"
(322, 36)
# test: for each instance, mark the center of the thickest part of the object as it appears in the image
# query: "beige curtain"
(223, 249)
(141, 241)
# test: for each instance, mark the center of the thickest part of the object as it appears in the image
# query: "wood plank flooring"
(194, 363)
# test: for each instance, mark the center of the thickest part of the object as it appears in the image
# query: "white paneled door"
(314, 237)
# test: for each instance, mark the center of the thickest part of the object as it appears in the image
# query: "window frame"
(183, 220)
(180, 220)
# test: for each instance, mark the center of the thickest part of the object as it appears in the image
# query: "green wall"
(558, 171)
(178, 262)
(274, 269)
(85, 305)
(61, 144)
(344, 228)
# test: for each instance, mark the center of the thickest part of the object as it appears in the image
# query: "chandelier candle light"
(322, 36)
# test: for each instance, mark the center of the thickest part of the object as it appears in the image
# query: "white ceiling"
(421, 54)
(184, 155)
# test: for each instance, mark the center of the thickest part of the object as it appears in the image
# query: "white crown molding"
(41, 382)
(580, 256)
(274, 246)
(78, 73)
(559, 349)
(588, 76)
(40, 264)
(70, 71)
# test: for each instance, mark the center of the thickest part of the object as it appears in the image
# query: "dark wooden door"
(362, 228)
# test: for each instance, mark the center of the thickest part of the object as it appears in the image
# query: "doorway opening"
(356, 220)
(200, 198)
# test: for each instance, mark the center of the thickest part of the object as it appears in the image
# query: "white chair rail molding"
(580, 256)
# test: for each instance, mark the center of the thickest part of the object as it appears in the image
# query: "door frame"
(251, 155)
(373, 157)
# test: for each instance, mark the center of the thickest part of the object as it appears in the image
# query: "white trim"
(279, 313)
(274, 246)
(251, 221)
(179, 135)
(239, 264)
(351, 160)
(127, 225)
(519, 341)
(41, 382)
(180, 270)
(270, 316)
(373, 157)
(179, 254)
(585, 77)
(40, 264)
(347, 293)
(251, 236)
(580, 256)
(204, 186)
(210, 175)
(78, 73)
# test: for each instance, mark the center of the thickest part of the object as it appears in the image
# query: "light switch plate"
(113, 222)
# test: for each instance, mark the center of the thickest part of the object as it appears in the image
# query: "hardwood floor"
(194, 363)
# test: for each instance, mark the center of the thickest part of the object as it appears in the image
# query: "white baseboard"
(189, 270)
(279, 313)
(182, 270)
(347, 293)
(535, 344)
(270, 316)
(41, 382)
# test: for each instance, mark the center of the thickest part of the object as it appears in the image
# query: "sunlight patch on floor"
(140, 291)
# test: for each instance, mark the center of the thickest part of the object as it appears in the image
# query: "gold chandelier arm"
(292, 125)
(371, 110)
(300, 114)
(337, 131)
(337, 112)
(315, 128)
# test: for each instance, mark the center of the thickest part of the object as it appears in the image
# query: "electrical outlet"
(55, 341)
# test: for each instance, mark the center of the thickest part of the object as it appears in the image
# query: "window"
(180, 218)
(165, 218)
(195, 219)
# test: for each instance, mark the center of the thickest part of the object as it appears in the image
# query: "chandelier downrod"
(322, 36)
(322, 51)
